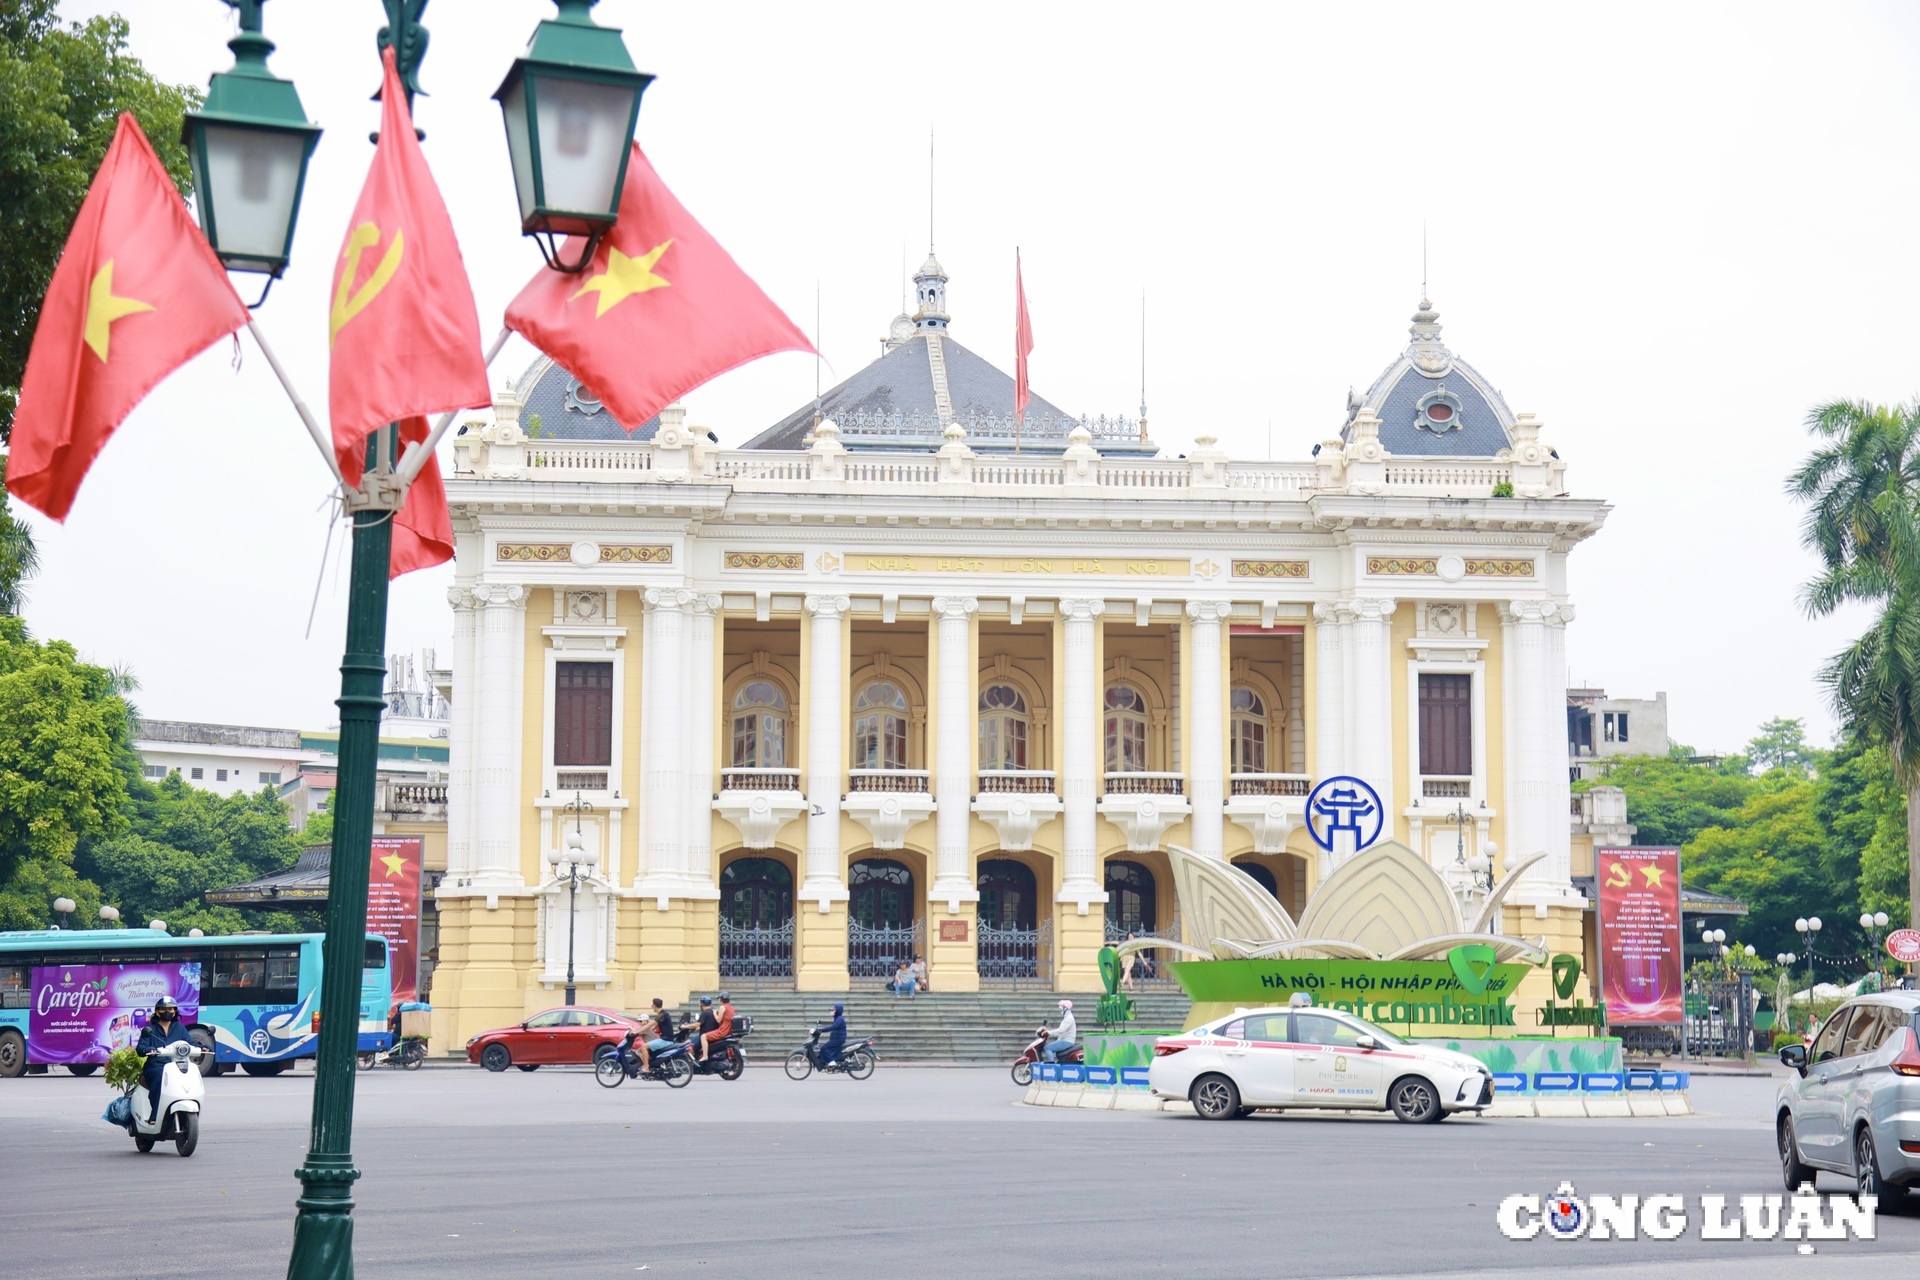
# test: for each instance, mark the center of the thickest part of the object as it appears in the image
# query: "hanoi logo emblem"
(1344, 807)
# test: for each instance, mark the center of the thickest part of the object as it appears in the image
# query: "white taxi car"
(1313, 1057)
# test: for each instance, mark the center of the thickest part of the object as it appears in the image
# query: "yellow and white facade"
(961, 698)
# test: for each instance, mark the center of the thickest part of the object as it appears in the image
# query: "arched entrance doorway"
(883, 921)
(1013, 940)
(756, 919)
(1133, 908)
(1264, 874)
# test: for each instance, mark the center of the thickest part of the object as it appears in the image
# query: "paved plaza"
(916, 1172)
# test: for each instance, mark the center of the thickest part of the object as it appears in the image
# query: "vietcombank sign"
(1465, 994)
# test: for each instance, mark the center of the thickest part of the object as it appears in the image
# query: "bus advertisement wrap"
(393, 907)
(82, 1013)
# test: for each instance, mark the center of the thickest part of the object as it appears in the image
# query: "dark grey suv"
(1854, 1106)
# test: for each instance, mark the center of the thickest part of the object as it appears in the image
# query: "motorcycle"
(181, 1092)
(725, 1058)
(409, 1054)
(671, 1065)
(1023, 1065)
(857, 1059)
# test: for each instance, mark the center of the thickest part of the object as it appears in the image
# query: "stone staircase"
(963, 1027)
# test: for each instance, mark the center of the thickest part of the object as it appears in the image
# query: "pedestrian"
(919, 971)
(1126, 968)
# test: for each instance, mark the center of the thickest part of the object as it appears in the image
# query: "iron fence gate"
(757, 957)
(874, 953)
(1011, 956)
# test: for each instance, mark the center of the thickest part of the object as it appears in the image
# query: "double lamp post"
(570, 102)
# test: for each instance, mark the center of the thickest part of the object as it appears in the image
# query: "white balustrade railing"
(1146, 784)
(1463, 478)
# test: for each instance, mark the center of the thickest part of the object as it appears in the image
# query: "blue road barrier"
(1603, 1082)
(1556, 1082)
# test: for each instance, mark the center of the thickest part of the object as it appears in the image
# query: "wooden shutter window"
(1446, 725)
(582, 714)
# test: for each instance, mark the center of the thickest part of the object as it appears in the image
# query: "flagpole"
(299, 406)
(417, 454)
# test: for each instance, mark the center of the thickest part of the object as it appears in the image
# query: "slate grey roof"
(900, 383)
(567, 410)
(1427, 366)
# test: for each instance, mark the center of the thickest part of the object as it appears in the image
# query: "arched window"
(1249, 731)
(880, 727)
(756, 893)
(1261, 872)
(1008, 899)
(1003, 728)
(1130, 898)
(882, 894)
(1126, 730)
(760, 726)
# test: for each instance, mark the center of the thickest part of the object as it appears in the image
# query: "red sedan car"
(569, 1035)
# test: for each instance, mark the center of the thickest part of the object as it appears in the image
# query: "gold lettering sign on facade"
(1403, 564)
(1105, 566)
(636, 555)
(1269, 568)
(783, 560)
(535, 551)
(1499, 568)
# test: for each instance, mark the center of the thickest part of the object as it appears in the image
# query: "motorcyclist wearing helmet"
(836, 1037)
(163, 1029)
(1061, 1038)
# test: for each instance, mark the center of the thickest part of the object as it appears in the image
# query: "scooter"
(856, 1060)
(671, 1065)
(725, 1058)
(181, 1092)
(1023, 1065)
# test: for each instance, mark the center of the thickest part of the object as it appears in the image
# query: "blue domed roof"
(1431, 403)
(567, 410)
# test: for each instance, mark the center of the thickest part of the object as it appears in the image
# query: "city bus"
(71, 997)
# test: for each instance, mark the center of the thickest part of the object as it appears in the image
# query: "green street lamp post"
(570, 102)
(577, 96)
(249, 145)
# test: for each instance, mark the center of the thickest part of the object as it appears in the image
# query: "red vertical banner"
(1640, 964)
(393, 908)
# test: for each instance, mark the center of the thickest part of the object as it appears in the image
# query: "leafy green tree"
(1672, 801)
(62, 90)
(179, 843)
(1781, 744)
(65, 748)
(19, 558)
(1862, 490)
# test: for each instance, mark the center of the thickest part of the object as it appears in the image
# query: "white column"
(466, 715)
(700, 711)
(953, 751)
(663, 776)
(1532, 759)
(1329, 696)
(1370, 744)
(496, 758)
(826, 714)
(1556, 834)
(1080, 763)
(1207, 771)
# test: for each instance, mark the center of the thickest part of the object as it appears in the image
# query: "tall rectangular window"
(582, 714)
(1446, 725)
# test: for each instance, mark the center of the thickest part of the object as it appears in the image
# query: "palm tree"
(1862, 488)
(19, 558)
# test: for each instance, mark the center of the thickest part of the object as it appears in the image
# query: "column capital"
(491, 593)
(1082, 610)
(1547, 612)
(954, 607)
(673, 599)
(1209, 610)
(823, 606)
(464, 598)
(1330, 612)
(1372, 608)
(703, 603)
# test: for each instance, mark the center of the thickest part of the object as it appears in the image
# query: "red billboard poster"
(393, 908)
(1640, 934)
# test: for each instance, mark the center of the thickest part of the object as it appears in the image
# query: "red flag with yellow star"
(661, 308)
(138, 293)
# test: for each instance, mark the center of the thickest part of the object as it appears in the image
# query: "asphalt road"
(917, 1172)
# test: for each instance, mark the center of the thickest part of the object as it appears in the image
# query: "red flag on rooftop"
(404, 332)
(661, 308)
(1022, 343)
(138, 292)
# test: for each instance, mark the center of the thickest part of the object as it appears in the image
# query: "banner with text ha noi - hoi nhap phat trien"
(1640, 965)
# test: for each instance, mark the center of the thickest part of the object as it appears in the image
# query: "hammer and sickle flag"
(138, 292)
(661, 308)
(404, 332)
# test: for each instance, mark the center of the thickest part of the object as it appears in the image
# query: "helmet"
(706, 1001)
(165, 1004)
(725, 998)
(1066, 1004)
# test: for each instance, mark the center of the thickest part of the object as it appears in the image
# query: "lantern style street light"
(570, 102)
(1808, 927)
(110, 915)
(158, 926)
(249, 145)
(66, 907)
(1872, 922)
(579, 862)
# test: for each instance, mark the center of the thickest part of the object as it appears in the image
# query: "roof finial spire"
(1143, 364)
(929, 191)
(1424, 295)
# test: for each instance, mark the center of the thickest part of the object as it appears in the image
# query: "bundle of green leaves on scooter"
(123, 1069)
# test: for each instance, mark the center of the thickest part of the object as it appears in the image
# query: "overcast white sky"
(1665, 229)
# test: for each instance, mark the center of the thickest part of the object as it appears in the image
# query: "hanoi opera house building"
(881, 683)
